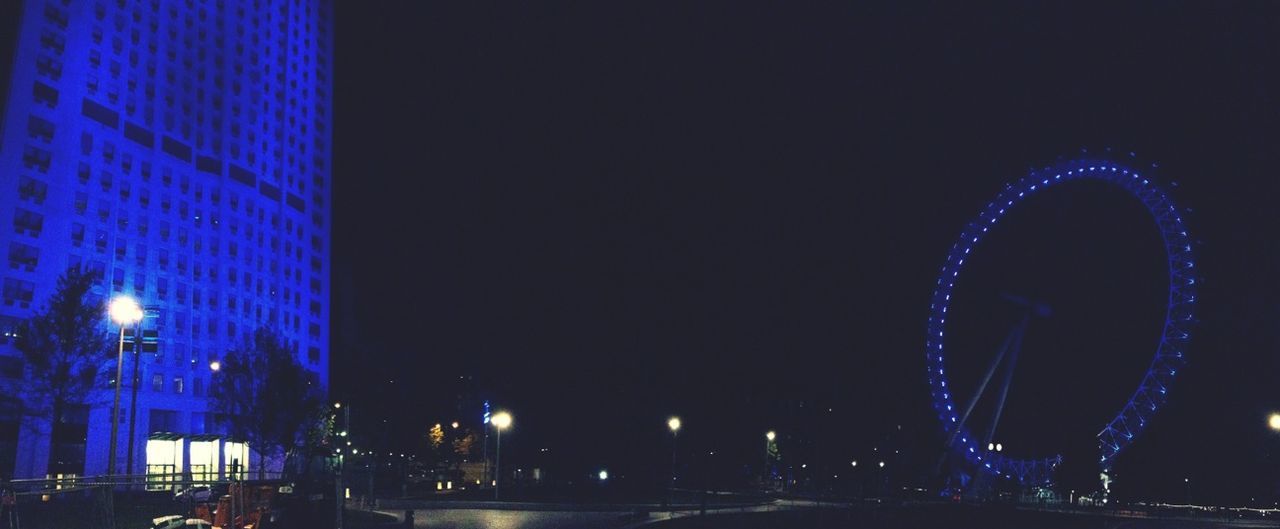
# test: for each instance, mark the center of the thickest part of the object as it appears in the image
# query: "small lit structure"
(204, 457)
(235, 460)
(164, 460)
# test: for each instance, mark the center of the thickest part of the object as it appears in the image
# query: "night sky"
(605, 214)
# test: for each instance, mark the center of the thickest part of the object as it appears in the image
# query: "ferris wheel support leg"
(1008, 379)
(1009, 342)
(982, 387)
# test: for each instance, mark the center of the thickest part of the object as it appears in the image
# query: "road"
(504, 519)
(545, 519)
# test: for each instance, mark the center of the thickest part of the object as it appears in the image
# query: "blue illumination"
(179, 153)
(1154, 387)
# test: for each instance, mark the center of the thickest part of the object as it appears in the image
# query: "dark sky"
(609, 213)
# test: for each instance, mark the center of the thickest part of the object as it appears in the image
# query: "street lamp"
(500, 422)
(215, 366)
(124, 311)
(673, 424)
(768, 442)
(1274, 421)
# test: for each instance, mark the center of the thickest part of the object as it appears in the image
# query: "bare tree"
(65, 351)
(267, 398)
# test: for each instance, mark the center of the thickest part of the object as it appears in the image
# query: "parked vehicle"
(179, 522)
(200, 493)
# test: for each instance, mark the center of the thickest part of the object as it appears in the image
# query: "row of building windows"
(302, 51)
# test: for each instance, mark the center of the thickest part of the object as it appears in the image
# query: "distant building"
(180, 150)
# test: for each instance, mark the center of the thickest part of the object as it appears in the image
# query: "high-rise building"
(180, 150)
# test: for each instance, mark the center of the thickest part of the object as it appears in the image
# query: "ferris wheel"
(975, 449)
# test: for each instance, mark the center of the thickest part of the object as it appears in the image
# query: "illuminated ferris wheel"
(975, 449)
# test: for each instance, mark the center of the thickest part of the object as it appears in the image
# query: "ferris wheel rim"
(1151, 393)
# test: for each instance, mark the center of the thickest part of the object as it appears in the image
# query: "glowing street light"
(124, 311)
(1274, 421)
(337, 405)
(769, 436)
(673, 424)
(603, 475)
(215, 366)
(500, 421)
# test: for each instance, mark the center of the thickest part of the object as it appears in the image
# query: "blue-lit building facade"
(180, 150)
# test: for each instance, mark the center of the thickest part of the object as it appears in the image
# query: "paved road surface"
(501, 519)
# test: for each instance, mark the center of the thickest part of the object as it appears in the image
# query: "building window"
(178, 385)
(157, 383)
(23, 256)
(26, 222)
(32, 190)
(11, 367)
(18, 292)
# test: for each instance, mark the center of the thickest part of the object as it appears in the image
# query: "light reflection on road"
(500, 519)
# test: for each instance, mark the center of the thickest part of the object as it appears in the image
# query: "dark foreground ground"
(942, 517)
(798, 515)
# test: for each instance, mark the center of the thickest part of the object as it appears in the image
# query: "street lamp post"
(133, 391)
(674, 425)
(123, 311)
(339, 492)
(500, 421)
(768, 442)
